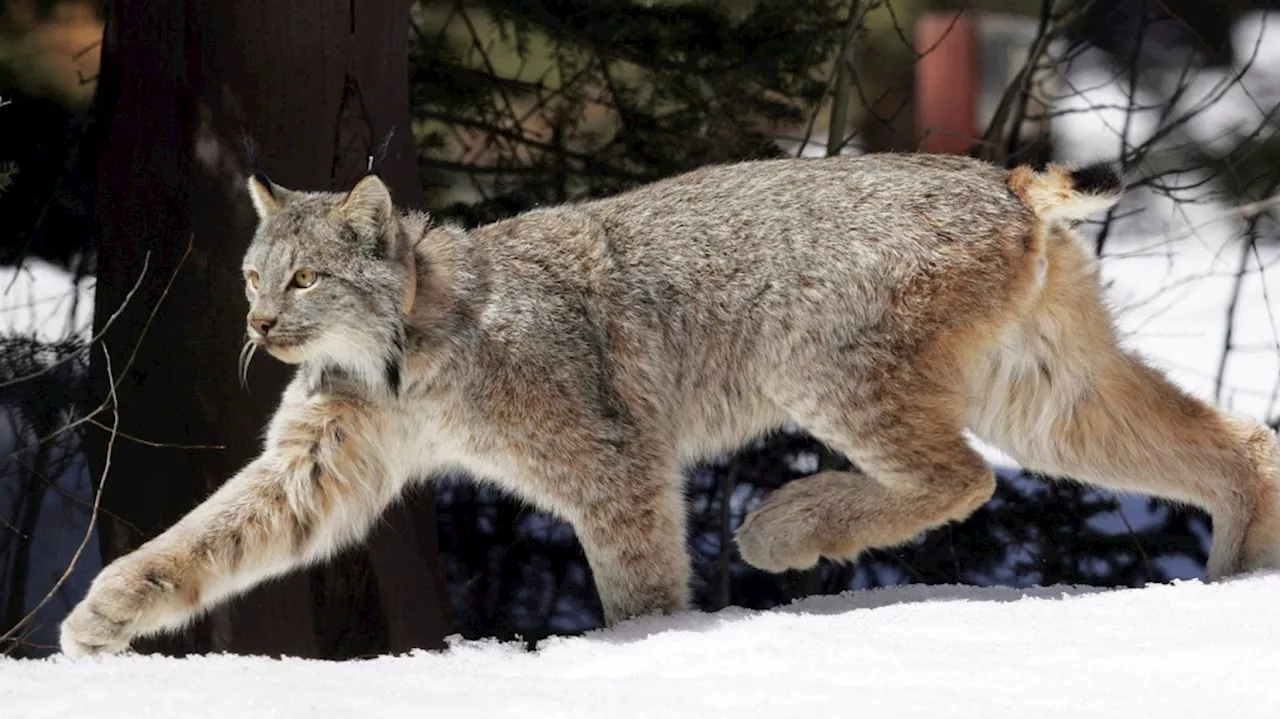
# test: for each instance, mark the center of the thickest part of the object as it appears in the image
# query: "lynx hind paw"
(802, 522)
(775, 539)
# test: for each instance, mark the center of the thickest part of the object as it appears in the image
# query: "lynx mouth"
(285, 349)
(288, 352)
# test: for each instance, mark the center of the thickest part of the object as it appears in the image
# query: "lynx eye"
(304, 278)
(253, 279)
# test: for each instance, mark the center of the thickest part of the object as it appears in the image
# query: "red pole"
(946, 82)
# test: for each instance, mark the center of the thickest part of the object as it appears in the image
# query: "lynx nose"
(262, 325)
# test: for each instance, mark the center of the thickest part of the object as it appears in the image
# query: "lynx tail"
(1064, 193)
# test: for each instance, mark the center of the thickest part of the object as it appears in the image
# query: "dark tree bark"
(317, 85)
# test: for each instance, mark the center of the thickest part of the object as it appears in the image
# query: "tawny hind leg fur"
(1060, 397)
(918, 472)
(896, 409)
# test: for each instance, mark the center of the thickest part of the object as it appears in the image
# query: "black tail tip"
(1098, 178)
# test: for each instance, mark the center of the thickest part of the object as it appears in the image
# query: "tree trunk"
(317, 85)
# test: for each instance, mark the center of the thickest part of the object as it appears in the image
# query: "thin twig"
(132, 356)
(149, 443)
(1137, 543)
(92, 340)
(1044, 39)
(1027, 77)
(1247, 211)
(93, 515)
(70, 498)
(727, 485)
(844, 79)
(1236, 287)
(86, 50)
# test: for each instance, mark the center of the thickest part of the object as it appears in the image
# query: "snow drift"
(1183, 650)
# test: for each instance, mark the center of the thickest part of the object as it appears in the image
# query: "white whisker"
(246, 356)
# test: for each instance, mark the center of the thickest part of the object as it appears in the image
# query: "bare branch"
(12, 633)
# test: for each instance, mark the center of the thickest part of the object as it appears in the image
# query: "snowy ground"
(1183, 650)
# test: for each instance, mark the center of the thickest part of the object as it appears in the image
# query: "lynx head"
(329, 278)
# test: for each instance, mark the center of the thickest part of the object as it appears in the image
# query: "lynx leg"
(634, 540)
(1062, 398)
(919, 473)
(314, 490)
(1113, 421)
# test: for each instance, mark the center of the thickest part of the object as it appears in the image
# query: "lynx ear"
(267, 196)
(368, 209)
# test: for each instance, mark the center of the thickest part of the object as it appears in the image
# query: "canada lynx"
(582, 356)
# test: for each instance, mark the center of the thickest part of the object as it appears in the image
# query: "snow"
(1182, 650)
(41, 299)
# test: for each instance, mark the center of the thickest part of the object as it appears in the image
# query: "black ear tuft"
(1099, 178)
(266, 182)
(252, 159)
(380, 153)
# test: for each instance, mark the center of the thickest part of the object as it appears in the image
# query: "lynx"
(582, 356)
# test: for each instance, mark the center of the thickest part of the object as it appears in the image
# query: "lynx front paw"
(125, 600)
